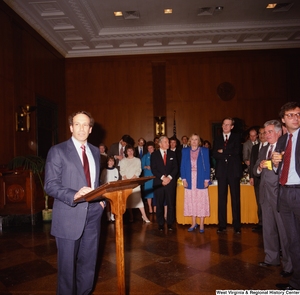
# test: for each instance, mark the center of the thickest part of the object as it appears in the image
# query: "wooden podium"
(117, 192)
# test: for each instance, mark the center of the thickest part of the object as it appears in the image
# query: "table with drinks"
(248, 205)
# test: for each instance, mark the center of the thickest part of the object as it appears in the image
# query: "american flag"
(174, 125)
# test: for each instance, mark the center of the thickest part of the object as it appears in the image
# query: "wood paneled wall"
(118, 91)
(259, 79)
(121, 92)
(29, 67)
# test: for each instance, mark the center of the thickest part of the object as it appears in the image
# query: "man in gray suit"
(72, 170)
(117, 149)
(274, 234)
(254, 180)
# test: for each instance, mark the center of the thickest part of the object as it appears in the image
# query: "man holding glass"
(274, 233)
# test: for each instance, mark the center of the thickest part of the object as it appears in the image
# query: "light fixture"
(271, 5)
(23, 118)
(160, 126)
(168, 11)
(118, 13)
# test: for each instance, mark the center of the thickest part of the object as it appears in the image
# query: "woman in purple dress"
(195, 174)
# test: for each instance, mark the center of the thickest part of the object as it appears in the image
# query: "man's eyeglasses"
(293, 115)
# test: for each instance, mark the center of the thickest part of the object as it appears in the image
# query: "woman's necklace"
(195, 149)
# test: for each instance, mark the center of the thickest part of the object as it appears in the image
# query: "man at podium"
(72, 170)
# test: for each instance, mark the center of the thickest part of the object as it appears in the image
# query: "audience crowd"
(269, 156)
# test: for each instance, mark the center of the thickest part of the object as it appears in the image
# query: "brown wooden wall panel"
(29, 67)
(260, 83)
(159, 89)
(40, 73)
(112, 88)
(6, 89)
(118, 90)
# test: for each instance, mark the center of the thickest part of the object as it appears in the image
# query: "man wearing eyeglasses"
(288, 170)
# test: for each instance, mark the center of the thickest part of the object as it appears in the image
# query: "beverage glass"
(268, 164)
(278, 155)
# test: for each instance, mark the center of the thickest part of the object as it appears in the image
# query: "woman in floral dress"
(195, 174)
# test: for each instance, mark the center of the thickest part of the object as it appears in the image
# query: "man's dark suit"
(228, 172)
(103, 162)
(289, 209)
(256, 179)
(164, 193)
(137, 152)
(73, 224)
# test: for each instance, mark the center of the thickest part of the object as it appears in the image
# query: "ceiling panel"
(79, 28)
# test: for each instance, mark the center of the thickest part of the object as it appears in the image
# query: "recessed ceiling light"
(118, 13)
(271, 5)
(219, 8)
(168, 11)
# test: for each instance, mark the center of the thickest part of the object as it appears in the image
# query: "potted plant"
(37, 165)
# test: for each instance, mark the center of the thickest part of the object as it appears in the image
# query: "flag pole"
(174, 125)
